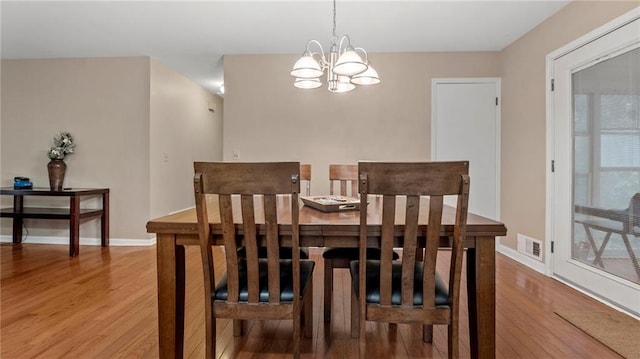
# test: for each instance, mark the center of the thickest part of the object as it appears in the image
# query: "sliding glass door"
(597, 157)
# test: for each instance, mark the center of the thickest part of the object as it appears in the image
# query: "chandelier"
(345, 67)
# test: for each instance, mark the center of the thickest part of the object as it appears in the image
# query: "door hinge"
(553, 166)
(553, 84)
(496, 101)
(552, 246)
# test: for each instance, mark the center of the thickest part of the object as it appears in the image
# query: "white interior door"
(465, 125)
(596, 151)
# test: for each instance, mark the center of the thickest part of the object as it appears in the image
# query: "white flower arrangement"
(62, 145)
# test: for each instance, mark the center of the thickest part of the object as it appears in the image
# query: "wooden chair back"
(415, 181)
(346, 176)
(256, 184)
(305, 175)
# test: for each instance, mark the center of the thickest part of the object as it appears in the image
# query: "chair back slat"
(231, 245)
(251, 247)
(295, 238)
(386, 247)
(346, 176)
(431, 252)
(410, 246)
(204, 233)
(459, 234)
(273, 245)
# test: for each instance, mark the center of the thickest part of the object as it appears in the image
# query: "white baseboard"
(521, 258)
(83, 241)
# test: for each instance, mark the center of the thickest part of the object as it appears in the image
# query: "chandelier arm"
(323, 60)
(366, 55)
(343, 38)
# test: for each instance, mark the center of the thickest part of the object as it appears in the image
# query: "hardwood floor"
(103, 304)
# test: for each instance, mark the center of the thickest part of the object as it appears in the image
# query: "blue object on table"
(22, 183)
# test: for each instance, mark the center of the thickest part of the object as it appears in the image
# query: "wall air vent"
(530, 247)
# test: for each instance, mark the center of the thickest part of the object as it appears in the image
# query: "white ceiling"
(191, 37)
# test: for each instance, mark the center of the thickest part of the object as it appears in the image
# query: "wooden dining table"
(319, 229)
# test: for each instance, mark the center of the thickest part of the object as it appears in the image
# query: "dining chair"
(347, 177)
(253, 287)
(410, 291)
(305, 175)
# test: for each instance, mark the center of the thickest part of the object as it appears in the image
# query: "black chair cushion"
(373, 283)
(286, 280)
(285, 252)
(352, 253)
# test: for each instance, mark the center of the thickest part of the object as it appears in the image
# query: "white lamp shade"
(307, 84)
(342, 84)
(349, 64)
(369, 77)
(306, 67)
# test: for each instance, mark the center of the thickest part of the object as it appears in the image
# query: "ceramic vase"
(56, 169)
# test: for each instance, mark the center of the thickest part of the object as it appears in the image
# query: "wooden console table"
(73, 214)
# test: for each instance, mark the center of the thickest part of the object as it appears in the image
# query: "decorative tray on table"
(332, 203)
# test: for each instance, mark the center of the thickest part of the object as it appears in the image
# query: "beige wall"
(183, 130)
(266, 118)
(524, 163)
(123, 113)
(104, 103)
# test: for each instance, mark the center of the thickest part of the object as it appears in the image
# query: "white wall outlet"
(165, 156)
(236, 155)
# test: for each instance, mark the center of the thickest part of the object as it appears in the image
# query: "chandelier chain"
(334, 18)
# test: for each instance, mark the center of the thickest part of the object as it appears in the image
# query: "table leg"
(74, 226)
(481, 269)
(17, 219)
(104, 221)
(472, 304)
(171, 288)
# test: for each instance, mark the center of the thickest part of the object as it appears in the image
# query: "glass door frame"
(562, 188)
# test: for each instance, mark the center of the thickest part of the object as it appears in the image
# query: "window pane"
(617, 188)
(581, 191)
(619, 111)
(582, 156)
(620, 150)
(606, 164)
(581, 113)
